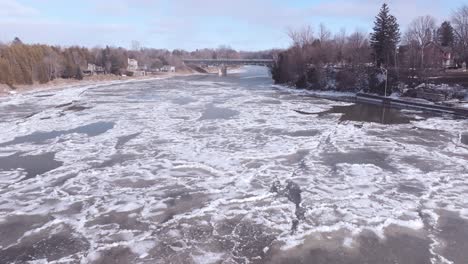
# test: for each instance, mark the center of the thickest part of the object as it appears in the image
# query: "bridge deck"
(230, 61)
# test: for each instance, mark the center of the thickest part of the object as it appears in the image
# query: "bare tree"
(323, 49)
(340, 40)
(226, 52)
(324, 33)
(460, 25)
(53, 64)
(294, 36)
(301, 37)
(357, 48)
(420, 32)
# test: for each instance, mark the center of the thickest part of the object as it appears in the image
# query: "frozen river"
(204, 169)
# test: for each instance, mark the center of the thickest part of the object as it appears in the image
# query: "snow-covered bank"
(332, 95)
(396, 100)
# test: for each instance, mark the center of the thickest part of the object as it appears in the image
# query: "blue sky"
(193, 24)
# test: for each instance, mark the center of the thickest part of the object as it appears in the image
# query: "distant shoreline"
(60, 83)
(57, 84)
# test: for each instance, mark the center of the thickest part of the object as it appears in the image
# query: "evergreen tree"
(79, 74)
(68, 71)
(385, 38)
(105, 59)
(17, 41)
(446, 35)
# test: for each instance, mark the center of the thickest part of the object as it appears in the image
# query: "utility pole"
(386, 79)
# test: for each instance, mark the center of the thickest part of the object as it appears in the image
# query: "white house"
(132, 65)
(91, 67)
(167, 68)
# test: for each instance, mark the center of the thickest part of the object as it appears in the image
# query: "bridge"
(216, 62)
(224, 63)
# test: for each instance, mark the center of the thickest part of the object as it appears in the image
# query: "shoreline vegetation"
(426, 61)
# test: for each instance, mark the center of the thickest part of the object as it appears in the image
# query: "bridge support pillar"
(222, 70)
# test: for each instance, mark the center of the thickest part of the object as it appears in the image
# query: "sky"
(195, 24)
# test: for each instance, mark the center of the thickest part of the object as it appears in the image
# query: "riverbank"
(457, 107)
(410, 103)
(6, 90)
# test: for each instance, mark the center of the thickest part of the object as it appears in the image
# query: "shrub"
(346, 80)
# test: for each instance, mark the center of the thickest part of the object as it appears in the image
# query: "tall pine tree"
(446, 35)
(385, 38)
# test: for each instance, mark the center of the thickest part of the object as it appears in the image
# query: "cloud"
(12, 8)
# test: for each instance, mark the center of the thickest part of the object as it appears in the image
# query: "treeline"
(26, 64)
(311, 61)
(361, 61)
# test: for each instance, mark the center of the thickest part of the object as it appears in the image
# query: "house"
(438, 56)
(132, 65)
(100, 70)
(139, 73)
(90, 69)
(134, 69)
(168, 68)
(93, 69)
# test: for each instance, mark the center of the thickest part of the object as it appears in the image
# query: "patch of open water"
(370, 113)
(33, 165)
